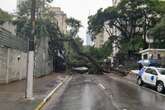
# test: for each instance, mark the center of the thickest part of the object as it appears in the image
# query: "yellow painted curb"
(40, 105)
(43, 102)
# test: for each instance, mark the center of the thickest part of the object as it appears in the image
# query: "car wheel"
(140, 81)
(160, 87)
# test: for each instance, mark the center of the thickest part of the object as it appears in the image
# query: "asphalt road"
(86, 92)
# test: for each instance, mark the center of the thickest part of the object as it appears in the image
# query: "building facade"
(115, 2)
(152, 54)
(155, 54)
(61, 18)
(102, 37)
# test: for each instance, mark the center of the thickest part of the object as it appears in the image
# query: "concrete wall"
(13, 65)
(13, 57)
(43, 62)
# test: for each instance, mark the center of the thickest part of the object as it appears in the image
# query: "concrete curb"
(47, 98)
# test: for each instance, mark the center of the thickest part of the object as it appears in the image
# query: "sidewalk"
(12, 95)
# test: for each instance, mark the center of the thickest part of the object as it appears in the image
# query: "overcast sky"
(79, 9)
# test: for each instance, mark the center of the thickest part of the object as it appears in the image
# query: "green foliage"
(132, 18)
(73, 57)
(24, 9)
(96, 23)
(100, 54)
(74, 26)
(158, 34)
(83, 58)
(71, 54)
(4, 16)
(45, 26)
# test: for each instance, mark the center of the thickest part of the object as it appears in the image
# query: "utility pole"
(30, 68)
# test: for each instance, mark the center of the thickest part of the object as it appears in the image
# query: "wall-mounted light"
(18, 58)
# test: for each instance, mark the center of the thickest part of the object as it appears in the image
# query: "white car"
(153, 76)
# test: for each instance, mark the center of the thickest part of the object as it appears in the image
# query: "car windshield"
(162, 71)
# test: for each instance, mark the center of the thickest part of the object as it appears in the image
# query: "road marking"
(101, 86)
(46, 99)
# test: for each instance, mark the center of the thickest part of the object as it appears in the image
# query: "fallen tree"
(93, 66)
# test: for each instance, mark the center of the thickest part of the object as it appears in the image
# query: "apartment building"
(60, 18)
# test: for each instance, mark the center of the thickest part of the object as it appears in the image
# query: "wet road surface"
(83, 94)
(132, 97)
(86, 92)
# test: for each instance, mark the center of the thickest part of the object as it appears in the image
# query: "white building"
(152, 54)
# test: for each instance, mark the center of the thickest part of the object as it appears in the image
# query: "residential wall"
(13, 64)
(13, 57)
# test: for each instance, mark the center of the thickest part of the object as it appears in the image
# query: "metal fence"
(9, 40)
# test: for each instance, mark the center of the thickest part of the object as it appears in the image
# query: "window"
(145, 56)
(159, 56)
(148, 70)
(151, 71)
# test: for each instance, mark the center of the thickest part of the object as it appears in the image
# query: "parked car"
(153, 76)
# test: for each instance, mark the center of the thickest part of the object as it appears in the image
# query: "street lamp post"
(30, 68)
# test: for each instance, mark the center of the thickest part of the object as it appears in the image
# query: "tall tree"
(46, 26)
(132, 18)
(157, 33)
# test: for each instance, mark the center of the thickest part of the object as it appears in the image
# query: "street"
(82, 55)
(87, 92)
